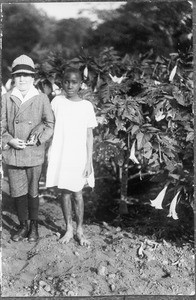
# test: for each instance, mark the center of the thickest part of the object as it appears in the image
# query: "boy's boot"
(33, 234)
(21, 204)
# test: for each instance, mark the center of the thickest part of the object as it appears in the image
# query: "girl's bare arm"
(89, 146)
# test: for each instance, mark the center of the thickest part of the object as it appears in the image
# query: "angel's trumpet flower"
(117, 79)
(157, 202)
(132, 154)
(56, 89)
(85, 72)
(159, 115)
(172, 208)
(83, 86)
(173, 73)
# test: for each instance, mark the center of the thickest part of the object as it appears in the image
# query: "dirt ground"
(144, 253)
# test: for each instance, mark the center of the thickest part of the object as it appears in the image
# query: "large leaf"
(139, 137)
(170, 165)
(120, 125)
(134, 129)
(147, 150)
(113, 140)
(190, 136)
(178, 95)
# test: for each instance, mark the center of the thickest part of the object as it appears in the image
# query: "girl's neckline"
(74, 101)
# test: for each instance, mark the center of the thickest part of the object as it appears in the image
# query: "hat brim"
(23, 71)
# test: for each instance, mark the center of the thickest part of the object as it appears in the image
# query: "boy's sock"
(33, 234)
(21, 204)
(33, 204)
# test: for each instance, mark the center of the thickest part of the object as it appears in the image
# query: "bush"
(144, 108)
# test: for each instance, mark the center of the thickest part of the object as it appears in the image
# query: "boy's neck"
(24, 93)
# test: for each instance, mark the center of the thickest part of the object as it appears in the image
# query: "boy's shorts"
(24, 180)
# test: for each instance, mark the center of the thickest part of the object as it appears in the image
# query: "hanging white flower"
(101, 120)
(172, 208)
(56, 89)
(83, 86)
(173, 73)
(85, 72)
(157, 202)
(132, 154)
(159, 115)
(117, 79)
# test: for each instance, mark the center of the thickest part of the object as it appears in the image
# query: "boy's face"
(71, 84)
(23, 81)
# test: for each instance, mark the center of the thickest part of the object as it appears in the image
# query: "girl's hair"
(70, 70)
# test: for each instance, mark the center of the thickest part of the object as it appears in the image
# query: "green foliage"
(138, 27)
(158, 115)
(21, 32)
(134, 28)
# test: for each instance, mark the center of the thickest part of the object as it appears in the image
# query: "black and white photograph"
(97, 149)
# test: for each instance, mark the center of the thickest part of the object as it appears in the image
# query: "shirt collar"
(31, 93)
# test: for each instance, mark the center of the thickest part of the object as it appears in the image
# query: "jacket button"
(17, 121)
(30, 122)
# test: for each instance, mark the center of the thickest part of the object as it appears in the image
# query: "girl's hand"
(38, 129)
(17, 144)
(31, 141)
(34, 135)
(87, 170)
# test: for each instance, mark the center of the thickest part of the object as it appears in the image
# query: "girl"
(70, 157)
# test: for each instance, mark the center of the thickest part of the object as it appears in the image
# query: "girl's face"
(71, 84)
(23, 82)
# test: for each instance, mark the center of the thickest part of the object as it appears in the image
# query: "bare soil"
(143, 253)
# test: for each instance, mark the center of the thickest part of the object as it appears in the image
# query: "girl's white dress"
(68, 151)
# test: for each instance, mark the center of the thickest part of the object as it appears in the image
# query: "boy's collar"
(31, 93)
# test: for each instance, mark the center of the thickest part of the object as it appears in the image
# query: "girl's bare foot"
(67, 237)
(81, 238)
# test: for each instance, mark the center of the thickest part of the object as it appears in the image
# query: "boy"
(23, 109)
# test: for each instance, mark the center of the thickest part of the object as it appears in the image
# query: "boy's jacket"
(18, 120)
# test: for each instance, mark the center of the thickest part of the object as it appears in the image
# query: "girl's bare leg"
(67, 213)
(79, 211)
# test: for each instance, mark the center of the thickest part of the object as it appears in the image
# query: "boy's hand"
(17, 143)
(87, 170)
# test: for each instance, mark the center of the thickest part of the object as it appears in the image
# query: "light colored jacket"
(18, 120)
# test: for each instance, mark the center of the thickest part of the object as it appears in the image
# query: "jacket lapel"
(16, 100)
(25, 105)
